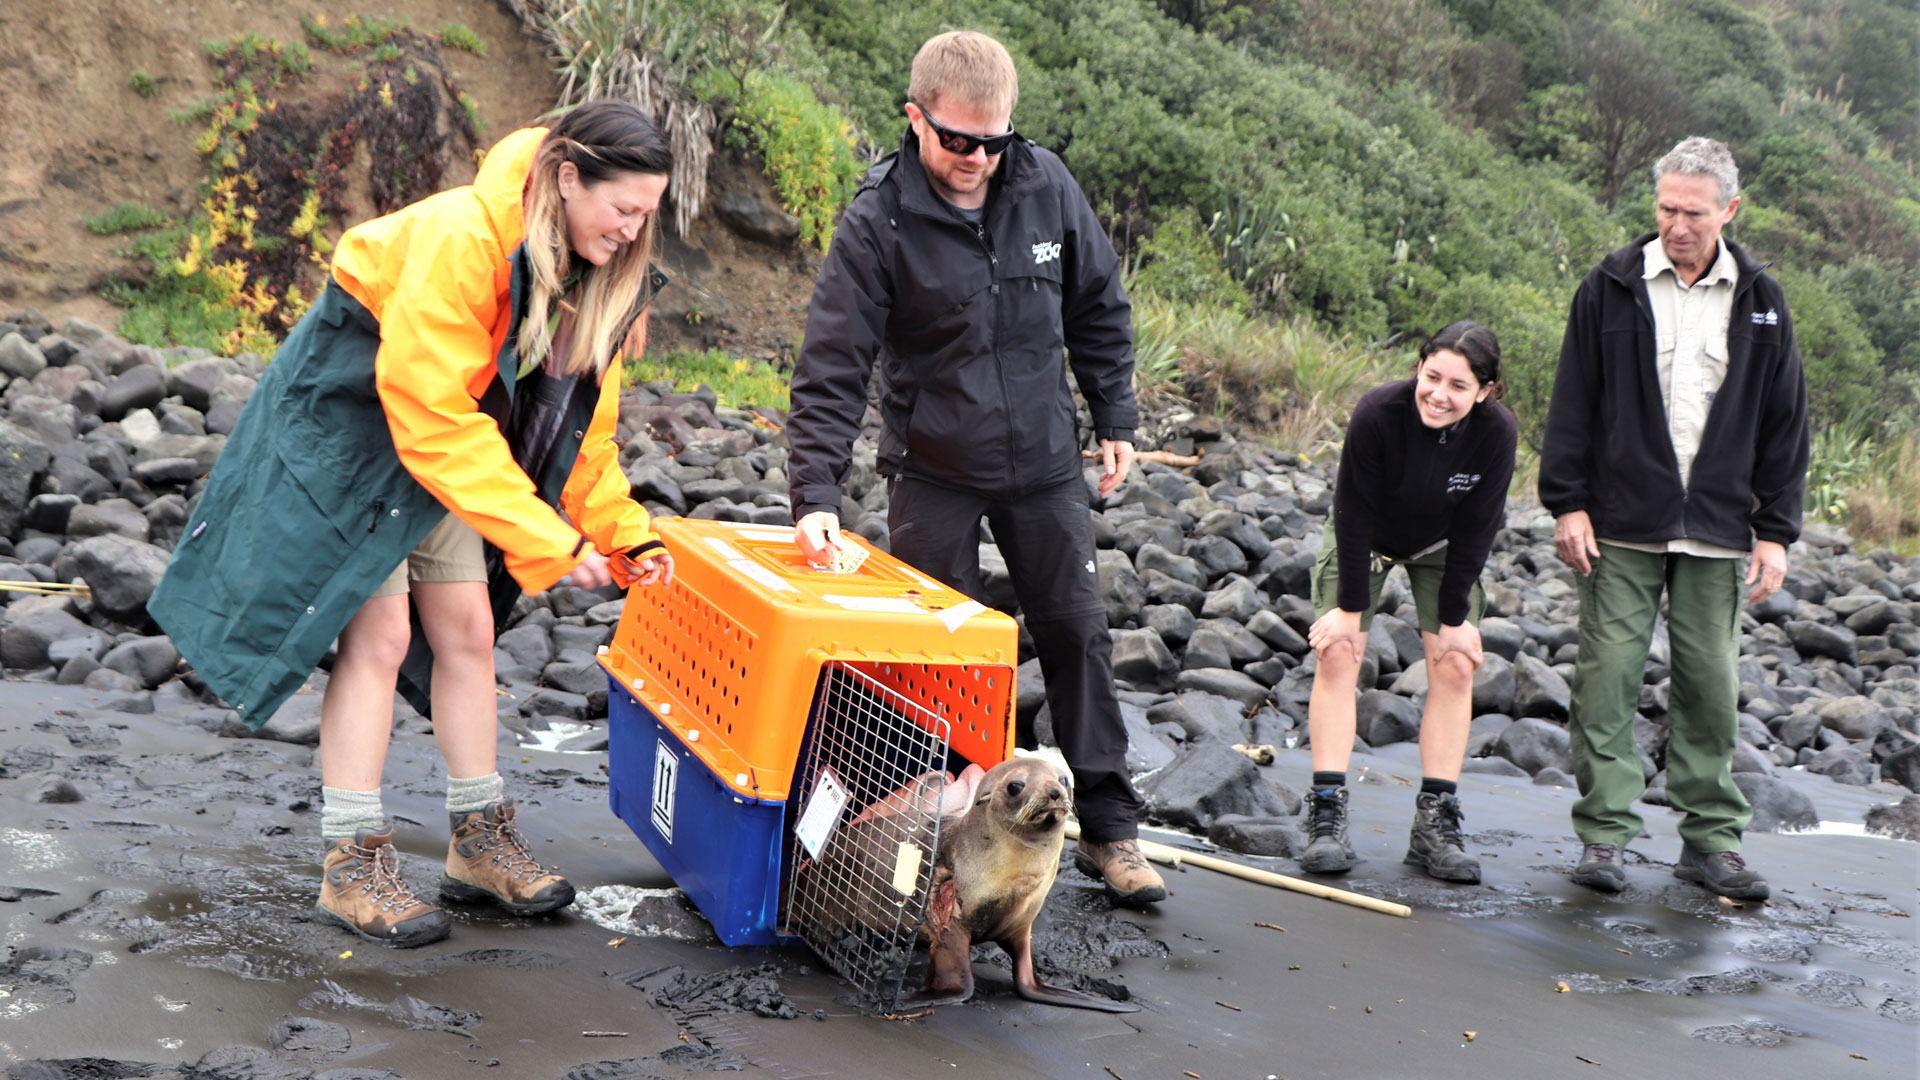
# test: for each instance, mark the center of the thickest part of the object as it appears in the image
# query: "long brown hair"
(602, 139)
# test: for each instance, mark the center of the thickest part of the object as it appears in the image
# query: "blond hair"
(601, 139)
(970, 66)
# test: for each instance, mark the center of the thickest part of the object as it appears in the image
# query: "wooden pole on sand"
(1171, 856)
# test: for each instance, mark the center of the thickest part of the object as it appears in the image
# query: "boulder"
(139, 387)
(1902, 767)
(1899, 820)
(1181, 568)
(1209, 780)
(23, 457)
(1225, 682)
(1202, 716)
(20, 358)
(1492, 766)
(296, 721)
(1812, 639)
(1493, 685)
(1777, 805)
(1141, 658)
(1272, 629)
(115, 517)
(1848, 763)
(1274, 838)
(555, 704)
(756, 218)
(1855, 717)
(151, 660)
(26, 638)
(1538, 690)
(1501, 636)
(1174, 623)
(1237, 600)
(1120, 587)
(1146, 750)
(1533, 744)
(1208, 647)
(120, 571)
(1384, 717)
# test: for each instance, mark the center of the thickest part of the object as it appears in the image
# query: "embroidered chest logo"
(1462, 482)
(1770, 317)
(1045, 251)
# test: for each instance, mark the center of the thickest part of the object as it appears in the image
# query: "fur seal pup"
(994, 868)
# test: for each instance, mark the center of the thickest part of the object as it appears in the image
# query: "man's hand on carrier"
(654, 569)
(817, 535)
(1116, 457)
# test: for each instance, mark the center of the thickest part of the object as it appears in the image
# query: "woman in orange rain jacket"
(440, 423)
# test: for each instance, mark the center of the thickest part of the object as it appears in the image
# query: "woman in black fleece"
(1423, 484)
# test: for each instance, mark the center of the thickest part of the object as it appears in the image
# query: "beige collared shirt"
(1690, 327)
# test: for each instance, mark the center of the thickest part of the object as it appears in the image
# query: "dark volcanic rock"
(1224, 682)
(1384, 717)
(1211, 779)
(1855, 717)
(1813, 639)
(1533, 744)
(1141, 658)
(1777, 805)
(1900, 820)
(121, 572)
(1538, 690)
(1493, 686)
(1848, 763)
(1276, 838)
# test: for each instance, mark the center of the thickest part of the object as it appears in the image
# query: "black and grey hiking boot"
(1722, 872)
(1600, 868)
(1435, 845)
(1328, 851)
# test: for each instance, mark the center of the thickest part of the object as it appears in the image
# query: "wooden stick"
(46, 588)
(1161, 853)
(1164, 457)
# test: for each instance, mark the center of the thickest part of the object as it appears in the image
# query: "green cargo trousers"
(1618, 604)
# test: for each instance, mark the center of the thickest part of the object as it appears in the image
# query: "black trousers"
(1047, 540)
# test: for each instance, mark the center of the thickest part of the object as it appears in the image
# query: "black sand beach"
(158, 927)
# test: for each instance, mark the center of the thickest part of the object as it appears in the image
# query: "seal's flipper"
(1028, 985)
(949, 966)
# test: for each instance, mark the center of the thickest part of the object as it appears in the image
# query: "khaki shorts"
(451, 552)
(1423, 577)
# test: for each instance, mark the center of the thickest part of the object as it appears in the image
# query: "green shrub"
(808, 149)
(1181, 264)
(144, 84)
(736, 381)
(125, 217)
(461, 36)
(1845, 378)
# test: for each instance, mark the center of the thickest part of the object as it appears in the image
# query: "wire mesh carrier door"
(863, 843)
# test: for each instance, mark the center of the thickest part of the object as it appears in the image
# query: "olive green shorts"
(1423, 576)
(451, 552)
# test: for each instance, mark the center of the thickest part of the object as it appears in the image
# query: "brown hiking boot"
(360, 889)
(1131, 879)
(490, 859)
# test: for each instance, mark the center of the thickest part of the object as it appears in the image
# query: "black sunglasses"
(959, 142)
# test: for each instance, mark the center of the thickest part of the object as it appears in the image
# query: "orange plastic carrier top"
(727, 656)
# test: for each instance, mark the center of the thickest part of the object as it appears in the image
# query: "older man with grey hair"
(1676, 448)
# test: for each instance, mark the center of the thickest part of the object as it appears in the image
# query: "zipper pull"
(378, 505)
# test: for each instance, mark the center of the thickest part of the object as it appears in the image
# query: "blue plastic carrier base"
(722, 850)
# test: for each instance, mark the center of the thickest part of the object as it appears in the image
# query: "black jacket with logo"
(1608, 450)
(1404, 487)
(969, 324)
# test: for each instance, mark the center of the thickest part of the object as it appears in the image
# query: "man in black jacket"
(968, 264)
(1676, 443)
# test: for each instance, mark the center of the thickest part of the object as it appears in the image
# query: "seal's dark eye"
(1015, 787)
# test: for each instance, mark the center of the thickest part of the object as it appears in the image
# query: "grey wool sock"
(343, 813)
(465, 795)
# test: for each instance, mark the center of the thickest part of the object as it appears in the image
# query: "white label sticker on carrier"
(760, 574)
(666, 775)
(822, 814)
(884, 605)
(726, 550)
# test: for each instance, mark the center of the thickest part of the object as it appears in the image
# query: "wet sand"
(158, 927)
